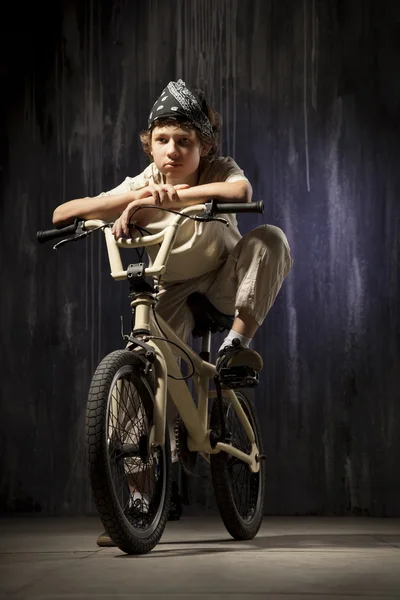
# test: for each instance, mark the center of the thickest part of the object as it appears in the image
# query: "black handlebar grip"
(238, 207)
(53, 234)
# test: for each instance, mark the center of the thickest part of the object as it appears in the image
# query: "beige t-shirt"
(199, 247)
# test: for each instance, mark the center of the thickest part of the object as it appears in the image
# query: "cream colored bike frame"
(195, 418)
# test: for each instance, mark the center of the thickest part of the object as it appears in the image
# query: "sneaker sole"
(246, 358)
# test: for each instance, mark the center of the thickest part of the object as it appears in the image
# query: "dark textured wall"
(310, 95)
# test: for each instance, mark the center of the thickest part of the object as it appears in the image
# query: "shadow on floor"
(312, 542)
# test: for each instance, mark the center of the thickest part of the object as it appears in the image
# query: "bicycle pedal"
(238, 377)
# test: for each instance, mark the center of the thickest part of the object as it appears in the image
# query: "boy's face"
(176, 152)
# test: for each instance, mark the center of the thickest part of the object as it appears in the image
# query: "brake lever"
(208, 214)
(72, 239)
(208, 217)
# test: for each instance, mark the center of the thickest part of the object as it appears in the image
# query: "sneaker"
(138, 504)
(105, 541)
(238, 366)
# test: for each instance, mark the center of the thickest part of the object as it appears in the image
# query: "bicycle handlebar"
(215, 208)
(165, 238)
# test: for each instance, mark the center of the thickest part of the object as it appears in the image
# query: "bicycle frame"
(195, 418)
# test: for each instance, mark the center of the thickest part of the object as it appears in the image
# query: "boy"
(239, 275)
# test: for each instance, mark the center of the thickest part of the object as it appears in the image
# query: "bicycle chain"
(182, 449)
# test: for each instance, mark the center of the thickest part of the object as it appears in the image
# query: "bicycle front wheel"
(239, 493)
(131, 481)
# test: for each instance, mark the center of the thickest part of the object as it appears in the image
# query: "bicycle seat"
(206, 316)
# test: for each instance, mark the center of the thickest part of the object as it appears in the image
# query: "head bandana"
(177, 100)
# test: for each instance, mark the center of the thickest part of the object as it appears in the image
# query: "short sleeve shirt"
(199, 247)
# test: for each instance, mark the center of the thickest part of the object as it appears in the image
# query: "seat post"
(206, 346)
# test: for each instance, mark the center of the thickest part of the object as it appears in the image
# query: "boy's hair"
(215, 120)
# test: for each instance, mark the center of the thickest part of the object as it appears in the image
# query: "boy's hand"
(153, 195)
(162, 194)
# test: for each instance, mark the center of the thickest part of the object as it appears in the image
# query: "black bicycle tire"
(238, 527)
(112, 517)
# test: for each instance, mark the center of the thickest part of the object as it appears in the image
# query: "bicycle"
(127, 435)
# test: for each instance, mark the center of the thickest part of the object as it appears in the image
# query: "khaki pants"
(250, 278)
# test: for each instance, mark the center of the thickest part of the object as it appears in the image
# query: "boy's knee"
(278, 247)
(273, 237)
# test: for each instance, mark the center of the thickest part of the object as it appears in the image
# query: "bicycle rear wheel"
(131, 482)
(239, 493)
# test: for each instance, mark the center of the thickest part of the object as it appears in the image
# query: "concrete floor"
(291, 559)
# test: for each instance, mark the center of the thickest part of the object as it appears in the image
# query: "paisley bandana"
(177, 100)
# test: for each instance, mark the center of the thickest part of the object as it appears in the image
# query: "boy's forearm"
(238, 191)
(109, 208)
(106, 208)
